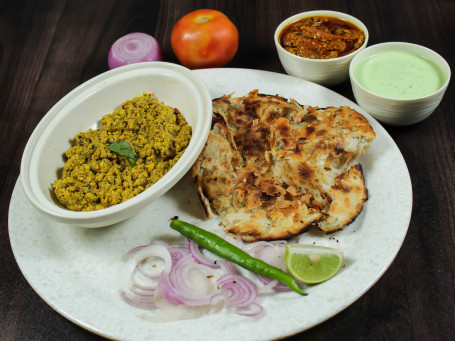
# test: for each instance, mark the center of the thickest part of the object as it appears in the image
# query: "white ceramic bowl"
(82, 109)
(398, 112)
(326, 72)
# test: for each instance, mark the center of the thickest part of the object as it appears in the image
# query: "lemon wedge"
(313, 264)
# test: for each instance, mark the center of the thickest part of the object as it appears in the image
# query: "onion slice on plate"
(272, 253)
(178, 281)
(134, 48)
(187, 283)
(195, 250)
(237, 290)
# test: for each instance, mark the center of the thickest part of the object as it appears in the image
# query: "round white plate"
(74, 269)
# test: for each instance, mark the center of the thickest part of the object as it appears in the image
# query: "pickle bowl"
(392, 109)
(82, 109)
(326, 72)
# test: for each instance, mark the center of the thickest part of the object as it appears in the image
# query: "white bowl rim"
(78, 217)
(340, 15)
(399, 44)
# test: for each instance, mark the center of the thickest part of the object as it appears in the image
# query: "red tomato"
(204, 38)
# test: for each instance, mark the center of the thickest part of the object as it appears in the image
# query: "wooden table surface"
(47, 48)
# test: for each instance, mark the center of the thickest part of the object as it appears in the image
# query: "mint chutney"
(399, 74)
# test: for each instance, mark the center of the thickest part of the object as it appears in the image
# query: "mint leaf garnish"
(123, 148)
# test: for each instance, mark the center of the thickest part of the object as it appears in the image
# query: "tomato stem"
(202, 19)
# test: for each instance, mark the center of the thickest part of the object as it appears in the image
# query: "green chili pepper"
(222, 248)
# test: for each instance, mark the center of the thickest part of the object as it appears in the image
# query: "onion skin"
(134, 48)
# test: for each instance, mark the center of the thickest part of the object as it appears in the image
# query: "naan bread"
(271, 168)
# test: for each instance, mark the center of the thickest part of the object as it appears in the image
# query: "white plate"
(74, 269)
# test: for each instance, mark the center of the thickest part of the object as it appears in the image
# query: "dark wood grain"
(47, 48)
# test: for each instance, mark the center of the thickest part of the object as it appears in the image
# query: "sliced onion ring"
(226, 267)
(253, 309)
(129, 267)
(187, 283)
(238, 291)
(178, 252)
(199, 257)
(138, 301)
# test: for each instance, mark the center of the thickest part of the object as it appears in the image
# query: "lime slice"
(313, 264)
